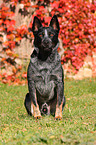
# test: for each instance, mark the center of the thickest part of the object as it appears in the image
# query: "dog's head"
(45, 38)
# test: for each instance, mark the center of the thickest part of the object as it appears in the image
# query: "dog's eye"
(40, 35)
(51, 34)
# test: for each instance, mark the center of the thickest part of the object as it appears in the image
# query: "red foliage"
(77, 29)
(13, 36)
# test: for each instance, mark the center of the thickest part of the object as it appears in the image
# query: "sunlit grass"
(78, 125)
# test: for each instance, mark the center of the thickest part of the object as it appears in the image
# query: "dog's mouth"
(47, 49)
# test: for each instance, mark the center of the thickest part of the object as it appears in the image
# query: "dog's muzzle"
(46, 43)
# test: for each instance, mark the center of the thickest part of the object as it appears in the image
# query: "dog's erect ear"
(54, 23)
(36, 24)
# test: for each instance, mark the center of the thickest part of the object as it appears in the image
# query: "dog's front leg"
(34, 104)
(35, 108)
(60, 101)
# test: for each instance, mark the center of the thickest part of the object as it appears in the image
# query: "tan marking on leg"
(36, 111)
(58, 113)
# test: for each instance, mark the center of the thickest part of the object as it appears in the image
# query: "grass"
(78, 125)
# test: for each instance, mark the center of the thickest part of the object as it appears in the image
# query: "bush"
(77, 30)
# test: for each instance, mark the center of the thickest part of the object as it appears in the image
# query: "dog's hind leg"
(64, 101)
(27, 104)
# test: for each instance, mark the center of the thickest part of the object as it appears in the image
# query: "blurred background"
(77, 37)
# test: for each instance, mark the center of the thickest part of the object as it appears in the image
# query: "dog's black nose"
(46, 43)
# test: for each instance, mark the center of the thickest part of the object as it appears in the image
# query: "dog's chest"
(45, 75)
(43, 71)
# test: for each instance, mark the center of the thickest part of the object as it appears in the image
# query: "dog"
(45, 73)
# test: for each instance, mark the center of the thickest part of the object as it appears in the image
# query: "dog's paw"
(58, 117)
(58, 113)
(38, 117)
(36, 112)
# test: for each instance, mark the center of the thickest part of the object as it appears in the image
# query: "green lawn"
(78, 125)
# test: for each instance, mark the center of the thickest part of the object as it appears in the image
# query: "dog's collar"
(54, 49)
